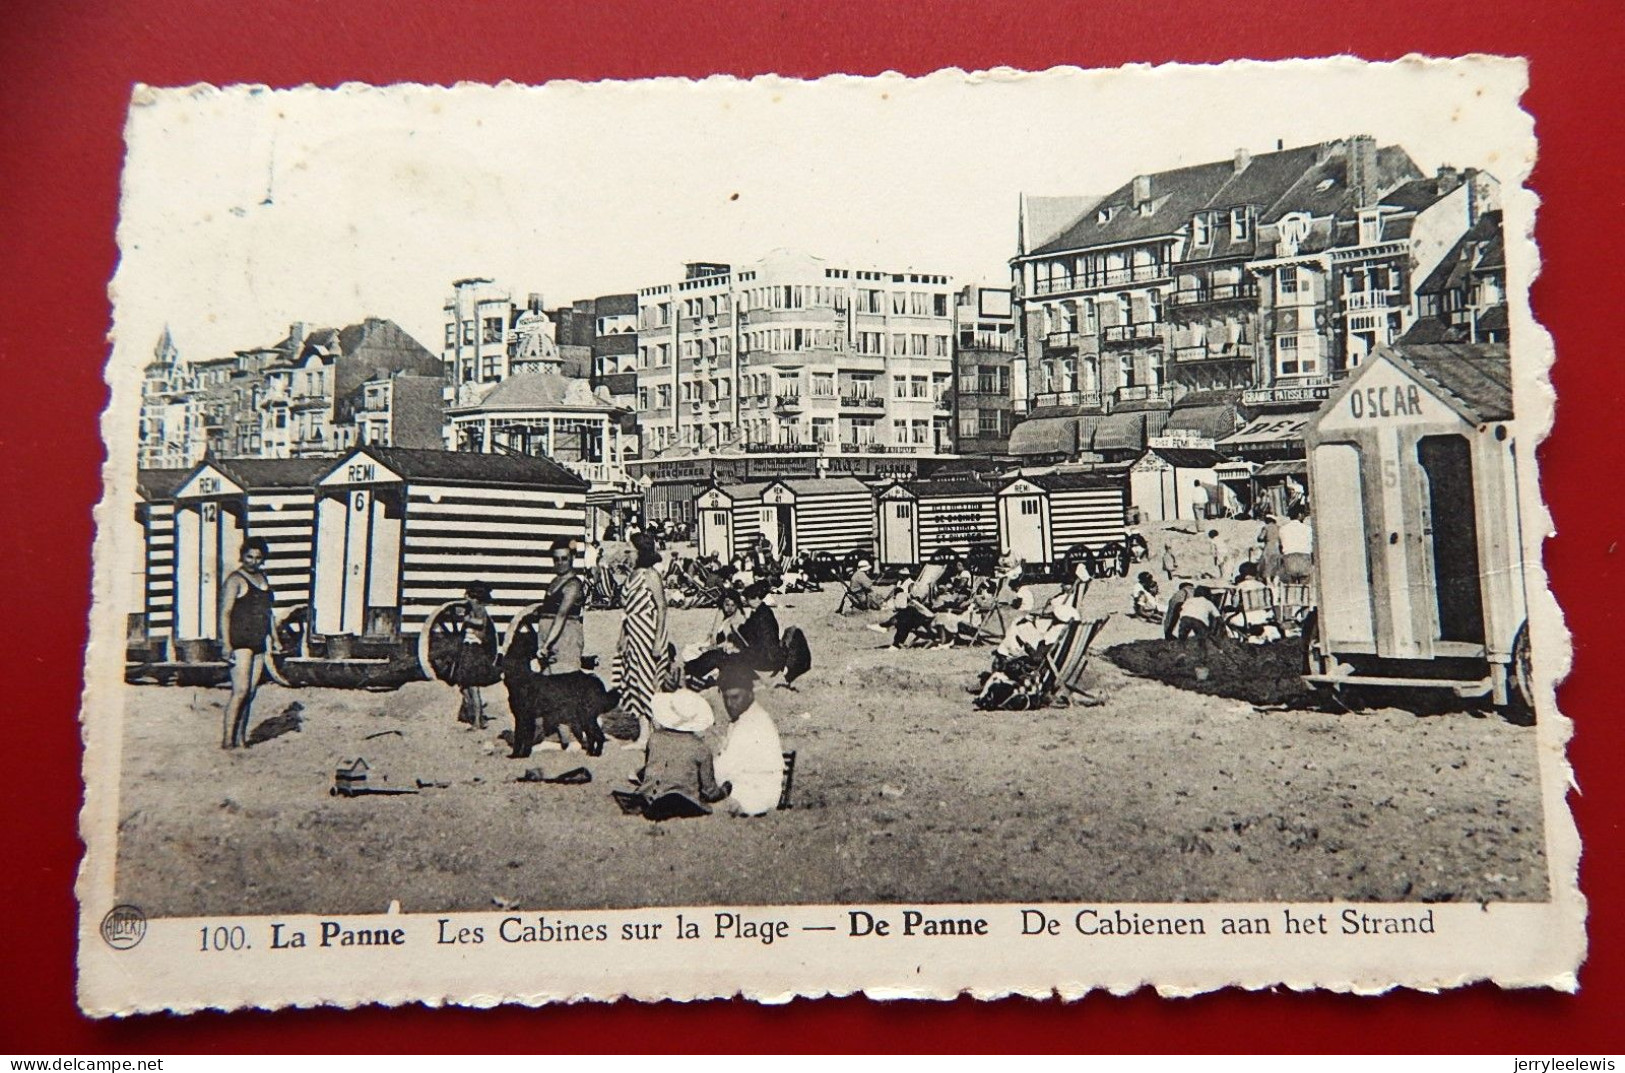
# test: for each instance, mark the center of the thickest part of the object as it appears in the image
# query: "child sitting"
(677, 779)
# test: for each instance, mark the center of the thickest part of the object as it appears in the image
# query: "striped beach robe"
(642, 653)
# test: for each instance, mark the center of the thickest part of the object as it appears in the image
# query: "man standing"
(1297, 546)
(751, 758)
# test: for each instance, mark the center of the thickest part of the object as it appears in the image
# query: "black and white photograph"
(1084, 520)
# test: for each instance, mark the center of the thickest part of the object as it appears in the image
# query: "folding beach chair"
(1068, 659)
(988, 605)
(1248, 612)
(789, 779)
(1293, 603)
(851, 600)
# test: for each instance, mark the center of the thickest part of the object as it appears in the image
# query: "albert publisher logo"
(124, 926)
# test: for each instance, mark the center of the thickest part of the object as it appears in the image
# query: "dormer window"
(1104, 216)
(1201, 229)
(1370, 227)
(1241, 224)
(1146, 208)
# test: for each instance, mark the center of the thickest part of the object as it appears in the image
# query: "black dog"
(575, 699)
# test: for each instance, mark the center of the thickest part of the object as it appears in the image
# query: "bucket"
(340, 646)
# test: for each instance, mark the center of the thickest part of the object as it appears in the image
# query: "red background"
(65, 75)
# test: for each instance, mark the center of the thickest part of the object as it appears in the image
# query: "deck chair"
(1068, 659)
(987, 606)
(1246, 613)
(1293, 602)
(854, 601)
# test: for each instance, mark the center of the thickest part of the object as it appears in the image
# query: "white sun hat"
(684, 710)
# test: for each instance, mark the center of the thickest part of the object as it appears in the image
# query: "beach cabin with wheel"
(916, 520)
(219, 504)
(152, 578)
(729, 518)
(1044, 516)
(400, 533)
(833, 514)
(1170, 483)
(1415, 479)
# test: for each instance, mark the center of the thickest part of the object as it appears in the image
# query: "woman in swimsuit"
(247, 622)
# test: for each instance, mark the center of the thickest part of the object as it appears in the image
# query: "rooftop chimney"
(534, 302)
(1448, 179)
(1363, 170)
(1142, 190)
(1280, 144)
(1243, 158)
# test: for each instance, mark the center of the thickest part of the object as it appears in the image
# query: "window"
(1241, 224)
(916, 345)
(869, 343)
(970, 384)
(919, 303)
(1153, 305)
(1201, 229)
(1370, 227)
(940, 347)
(823, 385)
(451, 333)
(899, 345)
(1288, 281)
(968, 425)
(1286, 355)
(919, 387)
(468, 333)
(1029, 505)
(899, 303)
(899, 387)
(899, 432)
(1125, 309)
(920, 432)
(939, 305)
(988, 423)
(1089, 322)
(869, 301)
(643, 398)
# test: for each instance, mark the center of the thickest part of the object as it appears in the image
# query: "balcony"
(1115, 277)
(1144, 393)
(1357, 301)
(945, 404)
(1304, 389)
(1214, 294)
(1209, 352)
(862, 402)
(599, 473)
(1001, 341)
(1145, 331)
(1085, 399)
(1062, 341)
(787, 402)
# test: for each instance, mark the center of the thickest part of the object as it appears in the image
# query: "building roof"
(470, 468)
(1187, 457)
(1069, 482)
(251, 473)
(822, 485)
(1419, 194)
(540, 391)
(1044, 218)
(158, 483)
(1480, 247)
(1477, 376)
(950, 487)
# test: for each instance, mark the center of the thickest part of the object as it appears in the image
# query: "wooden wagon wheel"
(292, 639)
(441, 639)
(525, 623)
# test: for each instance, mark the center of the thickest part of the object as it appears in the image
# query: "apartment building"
(1464, 299)
(794, 353)
(984, 351)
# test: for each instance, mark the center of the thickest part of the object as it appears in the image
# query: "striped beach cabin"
(219, 504)
(729, 517)
(833, 514)
(149, 628)
(400, 532)
(916, 519)
(1043, 516)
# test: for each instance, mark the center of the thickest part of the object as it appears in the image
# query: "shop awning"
(1121, 432)
(1269, 431)
(1235, 471)
(1295, 467)
(1209, 422)
(1045, 436)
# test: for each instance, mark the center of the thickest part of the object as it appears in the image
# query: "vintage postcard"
(1002, 532)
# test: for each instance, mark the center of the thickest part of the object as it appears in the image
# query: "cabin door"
(716, 533)
(1342, 550)
(1026, 528)
(1450, 527)
(897, 532)
(208, 545)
